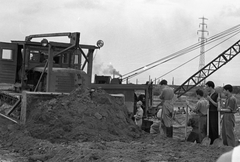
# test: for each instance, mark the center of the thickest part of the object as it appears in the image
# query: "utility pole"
(202, 39)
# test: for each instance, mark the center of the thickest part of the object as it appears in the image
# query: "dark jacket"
(193, 122)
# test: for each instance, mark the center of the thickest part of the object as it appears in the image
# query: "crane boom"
(209, 69)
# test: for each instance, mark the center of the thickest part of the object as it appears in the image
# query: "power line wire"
(194, 58)
(185, 50)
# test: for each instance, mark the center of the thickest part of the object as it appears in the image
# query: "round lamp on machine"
(100, 43)
(44, 42)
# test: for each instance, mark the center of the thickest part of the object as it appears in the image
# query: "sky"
(135, 32)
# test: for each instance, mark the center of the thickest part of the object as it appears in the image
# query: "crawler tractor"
(45, 67)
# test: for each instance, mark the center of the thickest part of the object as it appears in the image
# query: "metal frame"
(208, 69)
(73, 45)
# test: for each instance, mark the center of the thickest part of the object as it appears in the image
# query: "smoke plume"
(111, 70)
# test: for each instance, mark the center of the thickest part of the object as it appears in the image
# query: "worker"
(139, 114)
(194, 134)
(230, 156)
(228, 116)
(142, 98)
(167, 97)
(201, 110)
(135, 107)
(213, 113)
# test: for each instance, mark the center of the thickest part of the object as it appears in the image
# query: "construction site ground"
(92, 126)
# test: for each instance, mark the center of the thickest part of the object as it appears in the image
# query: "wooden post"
(90, 63)
(49, 69)
(23, 108)
(186, 121)
(147, 101)
(23, 66)
(78, 53)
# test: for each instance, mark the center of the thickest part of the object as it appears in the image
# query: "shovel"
(218, 142)
(206, 141)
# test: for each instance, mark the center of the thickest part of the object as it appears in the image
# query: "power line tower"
(202, 39)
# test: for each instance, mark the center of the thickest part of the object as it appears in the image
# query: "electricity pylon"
(202, 39)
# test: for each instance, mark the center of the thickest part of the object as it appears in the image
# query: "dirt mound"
(82, 116)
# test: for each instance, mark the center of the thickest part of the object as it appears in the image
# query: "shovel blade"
(206, 141)
(218, 142)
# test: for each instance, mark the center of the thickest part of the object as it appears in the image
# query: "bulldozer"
(45, 69)
(42, 68)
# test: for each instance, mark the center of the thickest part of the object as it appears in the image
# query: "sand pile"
(81, 116)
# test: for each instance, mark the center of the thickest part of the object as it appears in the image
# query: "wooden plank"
(23, 108)
(90, 63)
(46, 93)
(120, 86)
(5, 116)
(49, 69)
(14, 106)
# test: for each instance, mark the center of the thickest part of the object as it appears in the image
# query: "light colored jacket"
(138, 117)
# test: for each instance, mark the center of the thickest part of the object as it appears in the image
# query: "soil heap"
(84, 115)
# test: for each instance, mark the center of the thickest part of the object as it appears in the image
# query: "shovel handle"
(186, 121)
(219, 116)
(208, 121)
(219, 124)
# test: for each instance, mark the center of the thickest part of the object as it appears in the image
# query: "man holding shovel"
(218, 141)
(229, 108)
(213, 113)
(201, 109)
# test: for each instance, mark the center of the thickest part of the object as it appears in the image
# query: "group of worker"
(210, 105)
(213, 102)
(199, 120)
(166, 96)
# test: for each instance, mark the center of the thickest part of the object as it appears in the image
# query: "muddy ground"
(148, 148)
(57, 131)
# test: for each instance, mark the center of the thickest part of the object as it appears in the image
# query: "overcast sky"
(135, 32)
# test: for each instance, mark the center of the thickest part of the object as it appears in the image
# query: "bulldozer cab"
(46, 66)
(8, 62)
